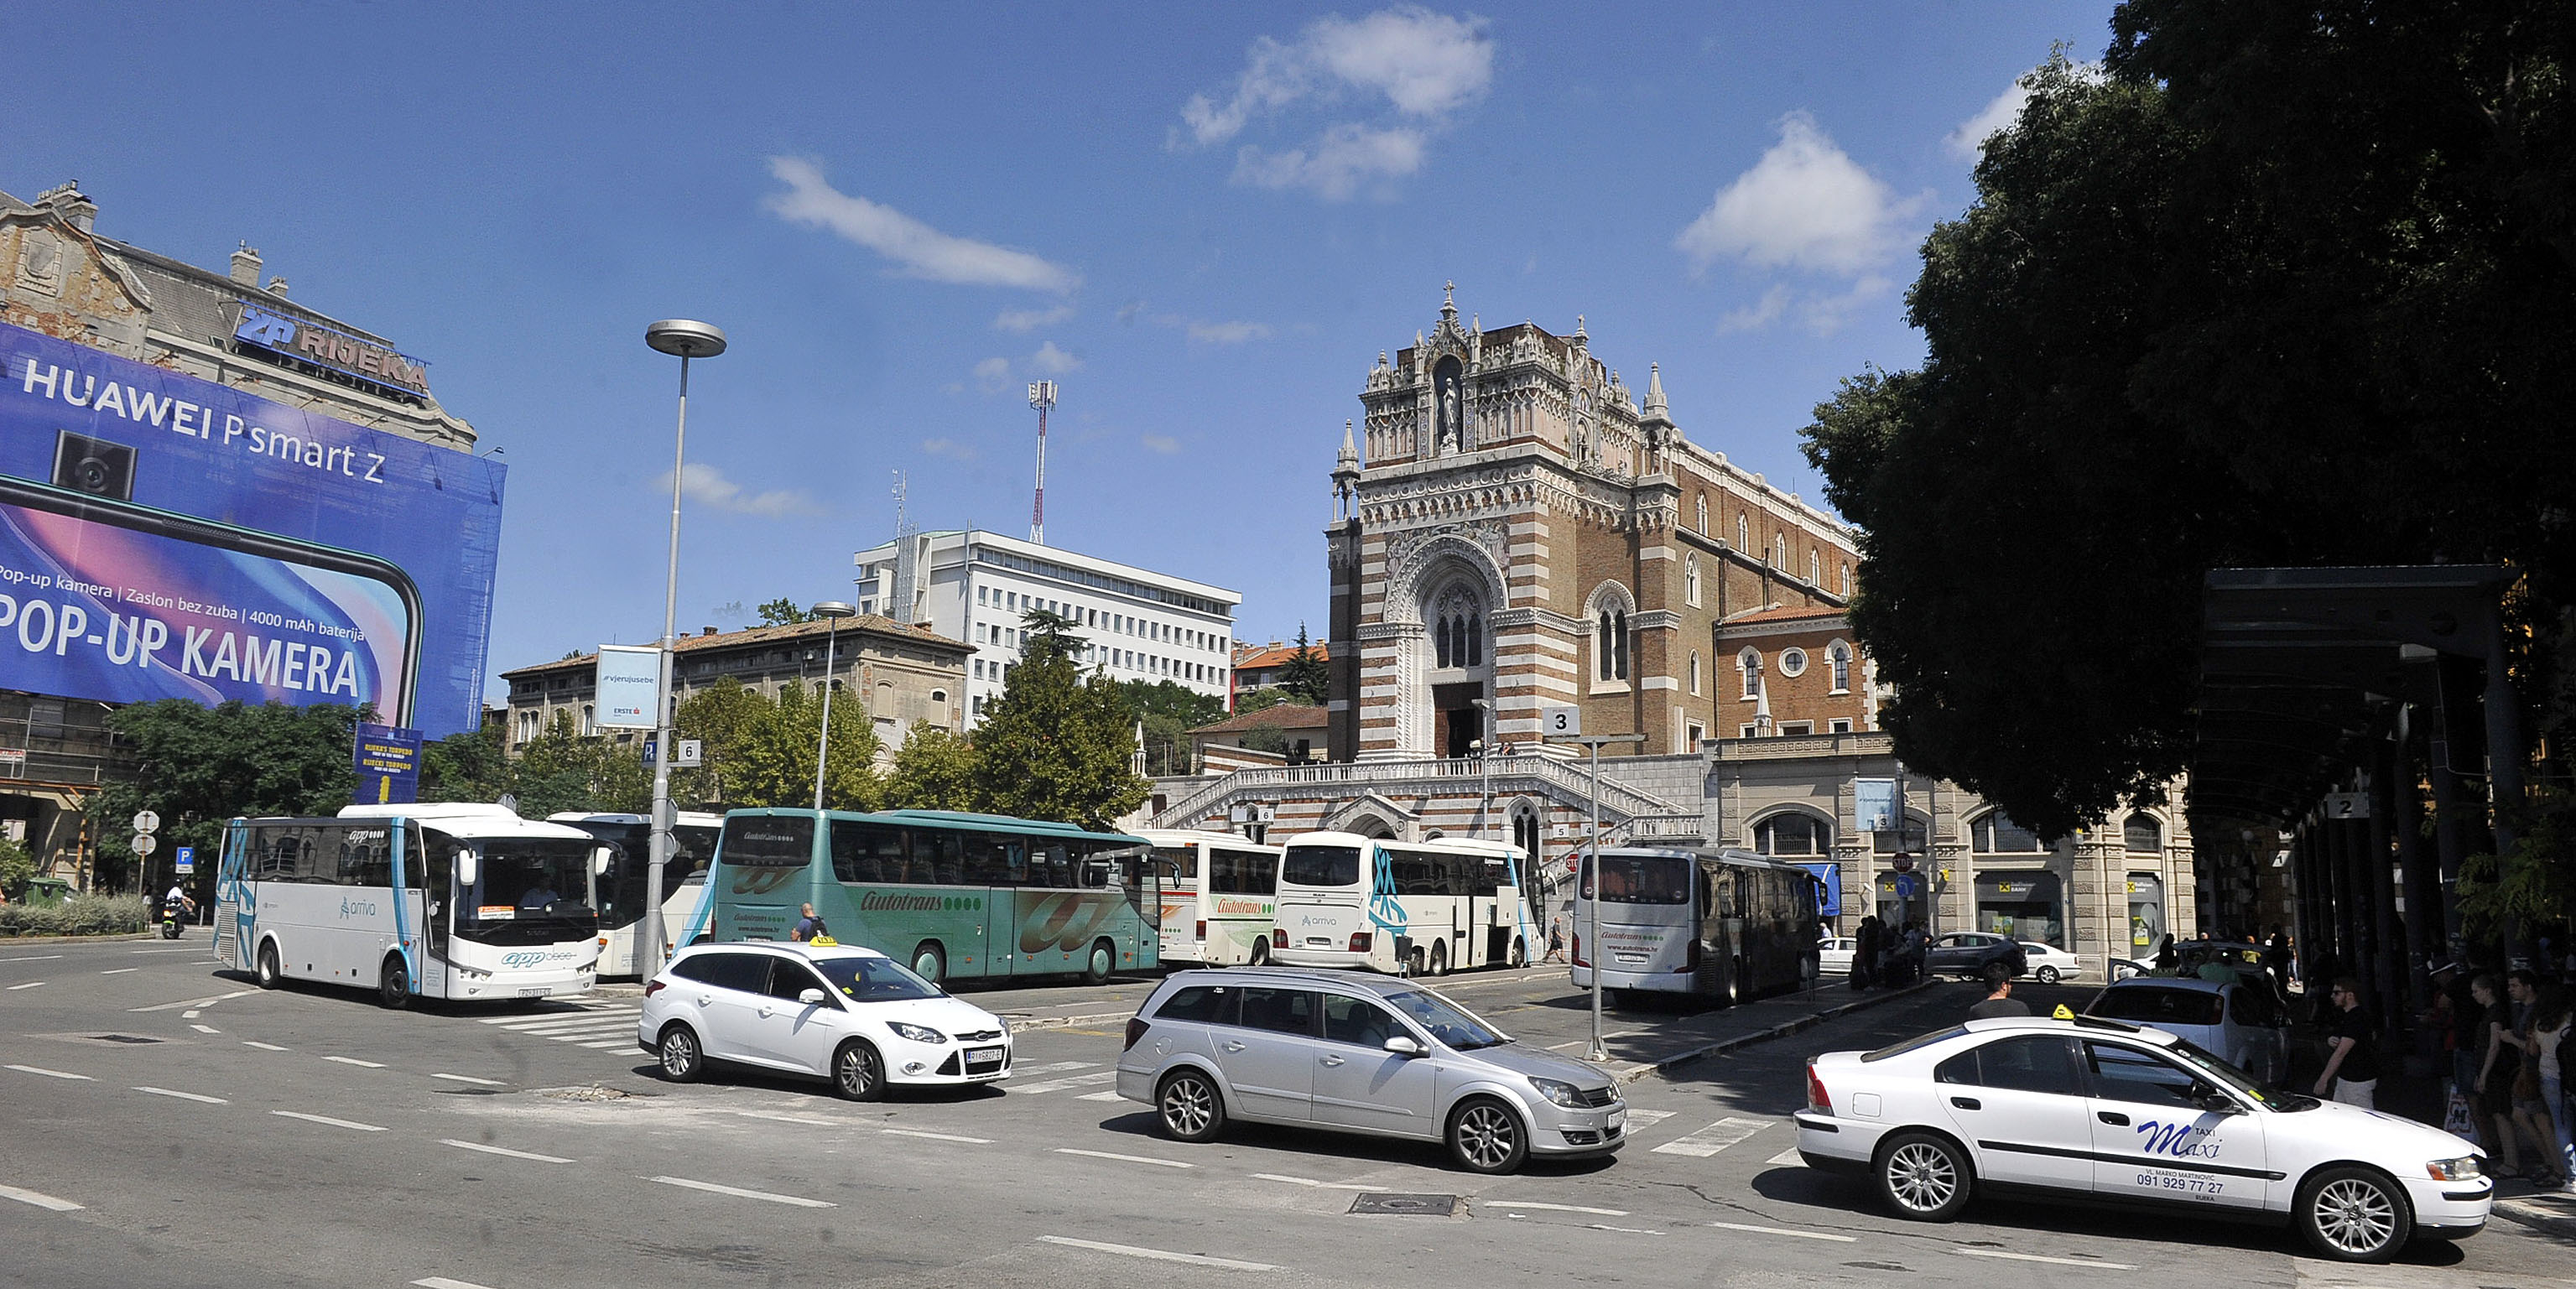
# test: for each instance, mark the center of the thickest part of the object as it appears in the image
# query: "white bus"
(1727, 925)
(448, 900)
(621, 893)
(1400, 907)
(1218, 896)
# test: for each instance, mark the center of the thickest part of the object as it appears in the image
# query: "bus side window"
(855, 852)
(990, 860)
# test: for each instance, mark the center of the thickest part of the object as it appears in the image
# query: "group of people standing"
(2508, 1042)
(1888, 955)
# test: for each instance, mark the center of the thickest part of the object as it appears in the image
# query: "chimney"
(246, 266)
(706, 631)
(277, 286)
(67, 202)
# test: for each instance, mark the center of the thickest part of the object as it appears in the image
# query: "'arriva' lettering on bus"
(876, 902)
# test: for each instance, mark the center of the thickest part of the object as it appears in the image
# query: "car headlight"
(1564, 1094)
(917, 1033)
(2463, 1169)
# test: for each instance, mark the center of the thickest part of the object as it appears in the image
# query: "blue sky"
(1202, 221)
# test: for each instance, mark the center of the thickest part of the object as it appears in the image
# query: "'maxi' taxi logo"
(2177, 1139)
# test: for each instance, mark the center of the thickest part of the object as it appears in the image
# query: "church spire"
(1655, 404)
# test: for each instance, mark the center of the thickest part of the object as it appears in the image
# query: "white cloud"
(707, 486)
(1051, 360)
(1024, 321)
(1823, 315)
(1762, 313)
(921, 251)
(1228, 333)
(949, 448)
(1969, 140)
(1406, 62)
(1805, 204)
(993, 374)
(1163, 443)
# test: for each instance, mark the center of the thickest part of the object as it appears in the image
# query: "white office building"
(974, 586)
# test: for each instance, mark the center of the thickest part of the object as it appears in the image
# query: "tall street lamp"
(1484, 762)
(684, 340)
(834, 610)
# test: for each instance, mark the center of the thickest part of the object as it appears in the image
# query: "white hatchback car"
(851, 1015)
(2049, 963)
(2105, 1112)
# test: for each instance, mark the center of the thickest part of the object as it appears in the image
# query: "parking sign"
(186, 858)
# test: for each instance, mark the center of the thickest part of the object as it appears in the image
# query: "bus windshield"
(529, 877)
(769, 841)
(1322, 866)
(1643, 879)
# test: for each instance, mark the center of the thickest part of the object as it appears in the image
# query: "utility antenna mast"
(899, 604)
(1041, 397)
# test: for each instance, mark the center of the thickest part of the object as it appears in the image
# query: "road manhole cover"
(1407, 1205)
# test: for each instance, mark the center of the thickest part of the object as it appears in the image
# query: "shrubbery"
(79, 915)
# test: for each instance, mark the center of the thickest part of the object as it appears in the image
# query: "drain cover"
(1408, 1205)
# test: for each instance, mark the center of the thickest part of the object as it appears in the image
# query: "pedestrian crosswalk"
(602, 1025)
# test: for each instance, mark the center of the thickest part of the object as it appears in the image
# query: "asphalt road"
(215, 1135)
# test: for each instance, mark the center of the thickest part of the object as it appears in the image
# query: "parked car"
(1834, 955)
(2239, 1021)
(1969, 953)
(2103, 1112)
(839, 1012)
(1356, 1053)
(2049, 963)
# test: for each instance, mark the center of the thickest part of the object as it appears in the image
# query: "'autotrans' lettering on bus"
(1227, 908)
(880, 902)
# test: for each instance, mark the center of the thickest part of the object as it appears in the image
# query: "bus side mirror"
(601, 858)
(468, 870)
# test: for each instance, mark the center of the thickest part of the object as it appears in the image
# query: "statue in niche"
(1448, 418)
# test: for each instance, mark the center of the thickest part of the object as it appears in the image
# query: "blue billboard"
(163, 536)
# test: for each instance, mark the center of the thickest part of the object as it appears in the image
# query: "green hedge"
(79, 915)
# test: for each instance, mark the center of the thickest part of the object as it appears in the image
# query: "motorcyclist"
(177, 905)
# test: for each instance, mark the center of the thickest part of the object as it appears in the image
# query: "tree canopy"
(783, 612)
(1307, 676)
(2275, 285)
(198, 766)
(1055, 744)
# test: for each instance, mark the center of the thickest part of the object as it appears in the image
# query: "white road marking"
(1052, 1067)
(566, 1025)
(937, 1136)
(1623, 1230)
(610, 1045)
(503, 1150)
(1789, 1158)
(807, 1120)
(190, 1014)
(442, 1282)
(37, 1198)
(1553, 1208)
(184, 1096)
(1058, 1085)
(2033, 1257)
(162, 951)
(205, 1029)
(1713, 1138)
(351, 1060)
(1646, 1118)
(191, 1002)
(32, 984)
(737, 1191)
(326, 1119)
(1782, 1230)
(468, 1078)
(1308, 1181)
(1159, 1255)
(51, 1074)
(1100, 1096)
(265, 1047)
(119, 971)
(1133, 1159)
(35, 957)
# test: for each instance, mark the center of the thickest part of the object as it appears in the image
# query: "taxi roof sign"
(2062, 1013)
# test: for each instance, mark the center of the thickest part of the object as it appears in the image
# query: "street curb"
(2538, 1218)
(112, 937)
(1782, 1030)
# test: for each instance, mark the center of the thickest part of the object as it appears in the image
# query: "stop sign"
(1901, 862)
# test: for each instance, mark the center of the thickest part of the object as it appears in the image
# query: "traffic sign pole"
(1569, 719)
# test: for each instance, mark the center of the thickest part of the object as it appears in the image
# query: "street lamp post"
(834, 610)
(1592, 864)
(683, 339)
(1484, 764)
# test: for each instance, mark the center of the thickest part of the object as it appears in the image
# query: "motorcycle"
(170, 922)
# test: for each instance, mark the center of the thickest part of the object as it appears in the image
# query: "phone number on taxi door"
(2181, 1182)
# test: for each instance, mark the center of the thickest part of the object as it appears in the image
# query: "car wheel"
(1485, 1137)
(2048, 975)
(929, 961)
(858, 1073)
(2353, 1215)
(1188, 1107)
(682, 1060)
(393, 985)
(1923, 1177)
(1095, 969)
(269, 976)
(1440, 959)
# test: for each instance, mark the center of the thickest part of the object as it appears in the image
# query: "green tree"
(720, 716)
(1262, 699)
(775, 754)
(556, 771)
(198, 766)
(1055, 745)
(933, 770)
(472, 766)
(1168, 710)
(17, 868)
(2277, 286)
(1307, 675)
(783, 612)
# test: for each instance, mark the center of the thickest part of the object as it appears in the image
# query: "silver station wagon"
(1356, 1053)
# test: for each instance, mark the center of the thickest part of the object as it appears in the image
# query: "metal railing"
(1644, 814)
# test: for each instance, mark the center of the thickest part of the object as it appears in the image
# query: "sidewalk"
(2554, 1213)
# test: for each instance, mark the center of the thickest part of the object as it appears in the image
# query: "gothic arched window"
(1619, 640)
(1839, 654)
(1690, 579)
(1440, 642)
(1749, 663)
(1743, 532)
(1601, 651)
(1474, 630)
(1703, 514)
(1780, 551)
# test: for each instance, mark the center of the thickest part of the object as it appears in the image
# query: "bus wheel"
(681, 1058)
(1095, 969)
(1413, 962)
(1261, 952)
(1520, 953)
(393, 985)
(1440, 959)
(269, 975)
(929, 962)
(858, 1073)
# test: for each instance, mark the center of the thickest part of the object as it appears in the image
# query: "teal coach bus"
(954, 895)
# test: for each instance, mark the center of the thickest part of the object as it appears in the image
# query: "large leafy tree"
(198, 766)
(472, 766)
(1307, 675)
(933, 770)
(2276, 285)
(774, 754)
(1057, 745)
(1168, 710)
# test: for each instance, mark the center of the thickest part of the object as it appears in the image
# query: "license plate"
(534, 993)
(1637, 958)
(983, 1056)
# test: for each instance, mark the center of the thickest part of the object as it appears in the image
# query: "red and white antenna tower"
(1041, 397)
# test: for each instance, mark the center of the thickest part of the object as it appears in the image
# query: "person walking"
(2351, 1075)
(2531, 1103)
(2552, 1019)
(2276, 958)
(1864, 969)
(2496, 1072)
(1999, 1000)
(1555, 940)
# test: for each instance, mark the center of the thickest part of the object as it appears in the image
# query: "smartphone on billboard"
(103, 598)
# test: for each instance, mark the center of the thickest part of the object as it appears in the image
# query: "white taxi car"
(2105, 1112)
(839, 1012)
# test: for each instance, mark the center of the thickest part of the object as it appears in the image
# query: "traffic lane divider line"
(1158, 1255)
(739, 1193)
(205, 1029)
(34, 957)
(39, 1199)
(503, 1150)
(1308, 1181)
(1133, 1159)
(1100, 1096)
(468, 1078)
(118, 971)
(2033, 1257)
(190, 1015)
(351, 1060)
(1553, 1208)
(32, 984)
(193, 1002)
(1623, 1230)
(51, 1074)
(936, 1136)
(326, 1119)
(1782, 1230)
(265, 1047)
(184, 1096)
(807, 1120)
(442, 1282)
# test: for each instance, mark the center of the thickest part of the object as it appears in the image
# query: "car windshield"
(2158, 1005)
(1447, 1021)
(874, 980)
(2218, 1070)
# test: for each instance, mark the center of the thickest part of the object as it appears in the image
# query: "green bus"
(956, 895)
